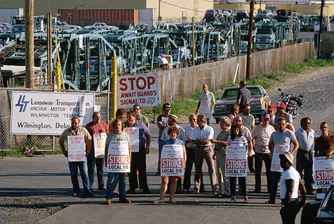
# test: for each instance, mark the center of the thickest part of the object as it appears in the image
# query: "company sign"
(42, 113)
(138, 89)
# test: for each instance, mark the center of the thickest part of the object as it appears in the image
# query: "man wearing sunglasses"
(306, 137)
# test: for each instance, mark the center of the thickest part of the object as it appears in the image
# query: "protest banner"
(138, 89)
(236, 161)
(99, 140)
(172, 161)
(323, 172)
(275, 162)
(133, 133)
(76, 148)
(48, 113)
(118, 157)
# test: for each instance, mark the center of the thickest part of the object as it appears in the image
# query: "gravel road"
(315, 84)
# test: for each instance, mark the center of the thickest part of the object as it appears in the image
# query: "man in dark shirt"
(244, 96)
(322, 143)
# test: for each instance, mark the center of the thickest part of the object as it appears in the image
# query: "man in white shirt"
(206, 103)
(289, 186)
(306, 137)
(201, 137)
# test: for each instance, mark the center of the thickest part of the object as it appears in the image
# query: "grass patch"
(294, 67)
(20, 153)
(319, 63)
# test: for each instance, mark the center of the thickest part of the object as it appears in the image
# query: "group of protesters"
(274, 141)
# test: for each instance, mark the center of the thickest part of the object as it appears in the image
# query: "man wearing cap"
(281, 111)
(271, 112)
(261, 136)
(201, 137)
(244, 95)
(206, 103)
(172, 122)
(280, 141)
(289, 186)
(162, 122)
(306, 137)
(140, 117)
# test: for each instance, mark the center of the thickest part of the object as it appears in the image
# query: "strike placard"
(236, 161)
(172, 161)
(49, 113)
(275, 162)
(138, 89)
(76, 149)
(133, 133)
(118, 157)
(324, 171)
(99, 144)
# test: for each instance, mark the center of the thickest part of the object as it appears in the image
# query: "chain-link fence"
(40, 142)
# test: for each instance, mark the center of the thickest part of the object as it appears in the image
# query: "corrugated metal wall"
(327, 44)
(183, 82)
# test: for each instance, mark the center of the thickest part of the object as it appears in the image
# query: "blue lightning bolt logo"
(22, 103)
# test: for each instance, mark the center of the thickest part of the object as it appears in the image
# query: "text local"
(118, 159)
(171, 163)
(236, 164)
(133, 83)
(324, 175)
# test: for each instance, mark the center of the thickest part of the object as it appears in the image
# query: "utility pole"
(159, 13)
(49, 75)
(29, 43)
(250, 39)
(320, 27)
(193, 41)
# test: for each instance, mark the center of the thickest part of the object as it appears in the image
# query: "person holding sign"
(280, 142)
(289, 186)
(235, 165)
(172, 164)
(98, 130)
(138, 161)
(79, 143)
(206, 103)
(322, 143)
(117, 160)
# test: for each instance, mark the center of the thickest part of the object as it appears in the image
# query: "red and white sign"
(275, 162)
(118, 157)
(133, 133)
(99, 144)
(324, 172)
(172, 161)
(236, 161)
(138, 89)
(76, 149)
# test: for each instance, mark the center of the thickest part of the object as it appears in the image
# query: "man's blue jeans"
(113, 180)
(84, 176)
(99, 166)
(275, 178)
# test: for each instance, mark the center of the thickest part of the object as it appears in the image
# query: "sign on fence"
(46, 113)
(236, 161)
(118, 157)
(76, 149)
(324, 171)
(138, 89)
(172, 161)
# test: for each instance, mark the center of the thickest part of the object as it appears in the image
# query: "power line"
(181, 7)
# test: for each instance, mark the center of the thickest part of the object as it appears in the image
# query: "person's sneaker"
(75, 195)
(172, 201)
(131, 191)
(102, 188)
(124, 200)
(115, 192)
(160, 201)
(246, 200)
(108, 202)
(270, 202)
(147, 191)
(233, 199)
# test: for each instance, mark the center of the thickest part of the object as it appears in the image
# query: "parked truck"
(6, 14)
